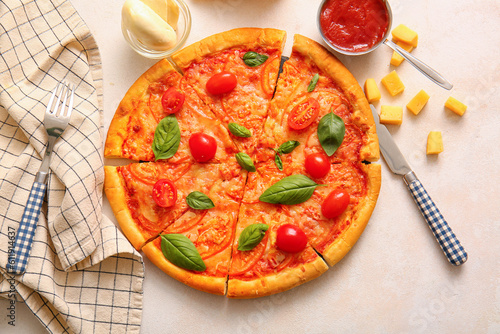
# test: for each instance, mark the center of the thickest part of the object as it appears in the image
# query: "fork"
(55, 122)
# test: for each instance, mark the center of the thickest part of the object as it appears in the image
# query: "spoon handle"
(419, 65)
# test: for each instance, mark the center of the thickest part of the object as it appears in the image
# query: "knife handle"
(19, 255)
(444, 235)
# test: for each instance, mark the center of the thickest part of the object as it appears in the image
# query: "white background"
(396, 278)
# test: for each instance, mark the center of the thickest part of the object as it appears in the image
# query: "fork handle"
(18, 256)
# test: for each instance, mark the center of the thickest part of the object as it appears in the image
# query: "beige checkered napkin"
(83, 275)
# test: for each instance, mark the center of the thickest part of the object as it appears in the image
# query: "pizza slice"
(210, 230)
(158, 94)
(266, 268)
(235, 73)
(146, 198)
(315, 84)
(339, 210)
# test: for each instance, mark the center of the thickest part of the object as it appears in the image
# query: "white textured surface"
(396, 278)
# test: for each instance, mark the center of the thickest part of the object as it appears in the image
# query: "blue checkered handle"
(18, 256)
(443, 233)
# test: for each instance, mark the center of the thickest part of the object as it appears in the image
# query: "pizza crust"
(247, 37)
(115, 192)
(117, 132)
(282, 281)
(215, 285)
(343, 244)
(328, 63)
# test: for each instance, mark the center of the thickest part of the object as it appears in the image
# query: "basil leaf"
(293, 189)
(331, 131)
(198, 200)
(239, 130)
(313, 83)
(278, 161)
(167, 138)
(181, 251)
(251, 236)
(254, 59)
(245, 161)
(288, 146)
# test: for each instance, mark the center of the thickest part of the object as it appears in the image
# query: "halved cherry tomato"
(165, 193)
(290, 238)
(203, 146)
(317, 165)
(172, 100)
(303, 114)
(335, 203)
(221, 83)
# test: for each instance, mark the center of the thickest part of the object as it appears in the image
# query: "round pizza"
(253, 171)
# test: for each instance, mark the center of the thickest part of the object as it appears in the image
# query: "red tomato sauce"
(354, 25)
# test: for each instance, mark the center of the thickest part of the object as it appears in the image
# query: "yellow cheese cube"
(391, 115)
(371, 90)
(393, 83)
(418, 102)
(404, 34)
(396, 59)
(434, 142)
(456, 106)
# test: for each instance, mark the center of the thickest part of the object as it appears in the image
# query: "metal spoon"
(420, 65)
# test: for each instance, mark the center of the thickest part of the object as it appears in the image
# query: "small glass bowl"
(183, 30)
(355, 53)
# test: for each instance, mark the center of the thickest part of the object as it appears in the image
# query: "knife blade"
(397, 163)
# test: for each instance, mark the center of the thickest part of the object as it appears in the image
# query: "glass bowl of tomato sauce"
(354, 27)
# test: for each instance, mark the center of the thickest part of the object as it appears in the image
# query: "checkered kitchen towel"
(83, 275)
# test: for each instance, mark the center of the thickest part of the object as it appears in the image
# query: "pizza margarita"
(249, 181)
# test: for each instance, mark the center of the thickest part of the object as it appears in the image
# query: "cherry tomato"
(317, 165)
(335, 203)
(203, 146)
(221, 83)
(164, 193)
(303, 114)
(172, 100)
(290, 238)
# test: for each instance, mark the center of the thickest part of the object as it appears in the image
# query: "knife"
(438, 225)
